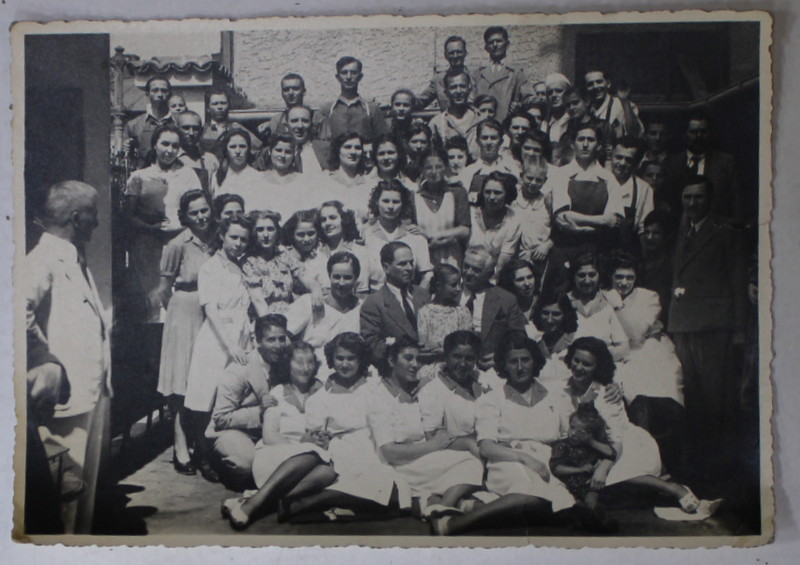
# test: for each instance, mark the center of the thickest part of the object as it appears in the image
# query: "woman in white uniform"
(596, 316)
(340, 310)
(652, 377)
(433, 468)
(289, 462)
(224, 336)
(339, 411)
(637, 456)
(515, 426)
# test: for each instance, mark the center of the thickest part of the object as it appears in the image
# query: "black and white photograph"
(454, 281)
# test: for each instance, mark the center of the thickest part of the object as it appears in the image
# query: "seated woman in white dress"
(339, 231)
(651, 378)
(515, 426)
(235, 174)
(289, 461)
(449, 399)
(637, 459)
(340, 310)
(338, 411)
(596, 316)
(434, 471)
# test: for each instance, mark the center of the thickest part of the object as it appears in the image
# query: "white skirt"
(507, 477)
(360, 472)
(269, 457)
(640, 456)
(434, 473)
(652, 370)
(209, 359)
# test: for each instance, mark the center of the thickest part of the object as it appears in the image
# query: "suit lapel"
(706, 232)
(489, 314)
(73, 274)
(394, 310)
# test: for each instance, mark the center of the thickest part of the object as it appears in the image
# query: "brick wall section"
(393, 58)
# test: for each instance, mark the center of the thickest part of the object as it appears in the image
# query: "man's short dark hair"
(293, 76)
(453, 39)
(630, 142)
(449, 76)
(490, 31)
(151, 80)
(491, 124)
(388, 251)
(700, 180)
(345, 258)
(347, 60)
(264, 323)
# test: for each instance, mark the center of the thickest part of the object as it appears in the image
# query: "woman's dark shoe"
(208, 472)
(183, 468)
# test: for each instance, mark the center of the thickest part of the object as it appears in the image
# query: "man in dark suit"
(700, 158)
(494, 310)
(706, 320)
(392, 311)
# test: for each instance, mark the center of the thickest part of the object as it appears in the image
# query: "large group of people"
(489, 318)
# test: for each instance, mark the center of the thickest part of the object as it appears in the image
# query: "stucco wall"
(393, 58)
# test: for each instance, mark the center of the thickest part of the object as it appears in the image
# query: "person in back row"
(508, 85)
(350, 112)
(455, 52)
(204, 163)
(459, 119)
(293, 91)
(139, 131)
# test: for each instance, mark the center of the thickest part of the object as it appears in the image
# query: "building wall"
(393, 58)
(77, 66)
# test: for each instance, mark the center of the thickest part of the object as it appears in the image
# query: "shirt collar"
(333, 385)
(699, 224)
(400, 394)
(292, 395)
(471, 393)
(62, 248)
(515, 396)
(351, 103)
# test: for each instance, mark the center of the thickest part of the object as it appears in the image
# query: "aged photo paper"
(436, 281)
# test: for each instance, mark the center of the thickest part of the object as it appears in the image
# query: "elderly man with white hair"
(64, 315)
(556, 124)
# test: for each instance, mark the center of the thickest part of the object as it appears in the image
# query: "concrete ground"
(149, 498)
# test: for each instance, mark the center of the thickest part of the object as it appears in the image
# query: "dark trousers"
(42, 500)
(711, 384)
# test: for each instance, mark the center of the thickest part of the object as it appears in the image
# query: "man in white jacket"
(64, 312)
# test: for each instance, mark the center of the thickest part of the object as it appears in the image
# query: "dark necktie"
(471, 303)
(298, 160)
(412, 317)
(690, 236)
